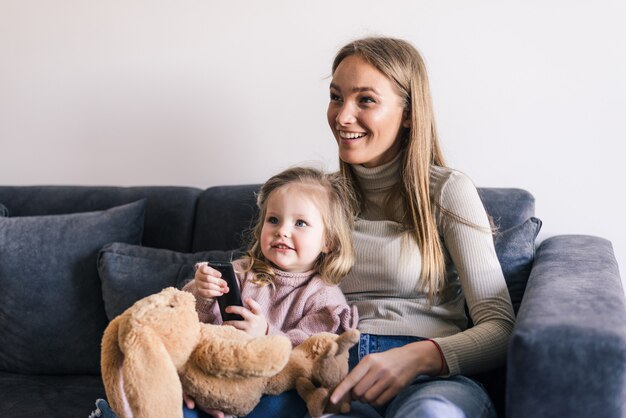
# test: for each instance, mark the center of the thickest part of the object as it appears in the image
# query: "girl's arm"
(208, 310)
(328, 311)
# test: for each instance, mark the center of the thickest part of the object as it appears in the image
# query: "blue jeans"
(286, 405)
(426, 397)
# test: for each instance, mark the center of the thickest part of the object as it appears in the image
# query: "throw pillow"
(131, 272)
(515, 248)
(51, 311)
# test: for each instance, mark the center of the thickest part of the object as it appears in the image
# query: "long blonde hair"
(335, 202)
(401, 63)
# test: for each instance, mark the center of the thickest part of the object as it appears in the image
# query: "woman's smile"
(365, 113)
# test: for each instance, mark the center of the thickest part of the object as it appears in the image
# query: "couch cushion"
(131, 272)
(515, 248)
(51, 311)
(216, 228)
(26, 396)
(507, 206)
(170, 210)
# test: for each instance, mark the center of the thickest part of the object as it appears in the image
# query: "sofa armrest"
(567, 354)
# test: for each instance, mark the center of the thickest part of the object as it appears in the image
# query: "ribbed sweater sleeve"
(472, 252)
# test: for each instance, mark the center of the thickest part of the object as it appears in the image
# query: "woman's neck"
(379, 185)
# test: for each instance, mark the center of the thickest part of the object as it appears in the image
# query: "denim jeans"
(286, 405)
(426, 397)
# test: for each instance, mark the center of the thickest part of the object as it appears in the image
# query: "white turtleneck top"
(383, 283)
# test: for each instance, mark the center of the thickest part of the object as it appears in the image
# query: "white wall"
(529, 94)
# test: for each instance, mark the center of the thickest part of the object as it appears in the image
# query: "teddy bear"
(157, 349)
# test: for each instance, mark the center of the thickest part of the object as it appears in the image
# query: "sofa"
(74, 257)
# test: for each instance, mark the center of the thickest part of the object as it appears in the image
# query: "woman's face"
(365, 113)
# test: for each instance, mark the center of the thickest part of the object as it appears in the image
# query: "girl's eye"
(367, 99)
(272, 220)
(301, 223)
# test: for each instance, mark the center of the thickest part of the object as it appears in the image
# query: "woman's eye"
(272, 220)
(301, 223)
(334, 97)
(367, 99)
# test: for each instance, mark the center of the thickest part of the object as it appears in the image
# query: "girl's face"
(365, 113)
(292, 236)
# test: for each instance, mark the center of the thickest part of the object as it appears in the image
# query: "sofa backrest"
(507, 206)
(219, 229)
(170, 211)
(189, 219)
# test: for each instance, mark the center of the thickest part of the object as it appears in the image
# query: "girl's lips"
(281, 247)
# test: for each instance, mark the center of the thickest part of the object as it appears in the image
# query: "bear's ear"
(150, 377)
(346, 340)
(331, 350)
(111, 365)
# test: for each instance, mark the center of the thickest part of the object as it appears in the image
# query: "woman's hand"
(190, 403)
(254, 323)
(209, 282)
(381, 376)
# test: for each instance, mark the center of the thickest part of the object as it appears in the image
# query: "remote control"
(233, 297)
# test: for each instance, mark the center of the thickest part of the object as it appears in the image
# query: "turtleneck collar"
(376, 179)
(292, 279)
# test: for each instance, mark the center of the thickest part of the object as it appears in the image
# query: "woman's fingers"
(348, 383)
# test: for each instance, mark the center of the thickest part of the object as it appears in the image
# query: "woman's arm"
(469, 243)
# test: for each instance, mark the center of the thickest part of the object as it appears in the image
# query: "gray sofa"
(73, 257)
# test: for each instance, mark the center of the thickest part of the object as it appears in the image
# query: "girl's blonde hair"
(335, 202)
(401, 63)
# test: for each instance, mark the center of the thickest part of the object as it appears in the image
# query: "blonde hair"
(335, 202)
(401, 63)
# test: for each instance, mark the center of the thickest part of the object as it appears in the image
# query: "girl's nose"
(282, 231)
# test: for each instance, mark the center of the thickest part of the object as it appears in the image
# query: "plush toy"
(157, 349)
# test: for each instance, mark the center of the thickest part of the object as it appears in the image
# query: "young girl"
(302, 249)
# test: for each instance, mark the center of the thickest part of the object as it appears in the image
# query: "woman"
(423, 246)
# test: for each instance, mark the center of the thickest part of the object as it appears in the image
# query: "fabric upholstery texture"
(507, 207)
(169, 217)
(218, 228)
(131, 272)
(515, 248)
(36, 396)
(51, 303)
(567, 354)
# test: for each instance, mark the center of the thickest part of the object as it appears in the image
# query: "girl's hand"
(190, 403)
(381, 376)
(209, 282)
(253, 323)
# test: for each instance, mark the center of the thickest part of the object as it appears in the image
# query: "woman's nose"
(345, 115)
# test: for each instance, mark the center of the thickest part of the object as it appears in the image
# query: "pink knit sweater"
(298, 305)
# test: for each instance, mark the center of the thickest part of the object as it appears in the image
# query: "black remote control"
(233, 297)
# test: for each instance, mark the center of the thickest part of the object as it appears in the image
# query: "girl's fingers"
(253, 305)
